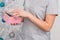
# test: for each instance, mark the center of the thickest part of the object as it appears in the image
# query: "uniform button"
(3, 20)
(1, 38)
(2, 4)
(12, 35)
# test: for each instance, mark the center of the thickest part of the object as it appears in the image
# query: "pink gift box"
(10, 20)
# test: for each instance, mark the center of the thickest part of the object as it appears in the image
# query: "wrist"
(30, 16)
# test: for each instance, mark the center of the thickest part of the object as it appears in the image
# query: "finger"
(14, 14)
(16, 23)
(17, 16)
(12, 24)
(16, 10)
(12, 10)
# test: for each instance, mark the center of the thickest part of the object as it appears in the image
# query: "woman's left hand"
(21, 13)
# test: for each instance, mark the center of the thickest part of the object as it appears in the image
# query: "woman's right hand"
(12, 20)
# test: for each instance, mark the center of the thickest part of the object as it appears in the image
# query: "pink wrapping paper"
(10, 20)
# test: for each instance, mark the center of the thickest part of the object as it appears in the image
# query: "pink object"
(10, 20)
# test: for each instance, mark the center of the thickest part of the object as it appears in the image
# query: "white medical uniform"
(39, 8)
(29, 31)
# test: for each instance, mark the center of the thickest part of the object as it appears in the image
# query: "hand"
(22, 13)
(12, 20)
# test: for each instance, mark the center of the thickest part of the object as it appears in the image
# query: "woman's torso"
(29, 30)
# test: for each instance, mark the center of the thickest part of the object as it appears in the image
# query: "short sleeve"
(52, 7)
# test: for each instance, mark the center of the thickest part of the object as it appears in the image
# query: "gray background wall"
(55, 31)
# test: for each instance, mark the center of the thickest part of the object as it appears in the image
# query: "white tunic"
(39, 8)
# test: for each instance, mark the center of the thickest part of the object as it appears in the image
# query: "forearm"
(44, 25)
(41, 24)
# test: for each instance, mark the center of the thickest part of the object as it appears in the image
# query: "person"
(39, 16)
